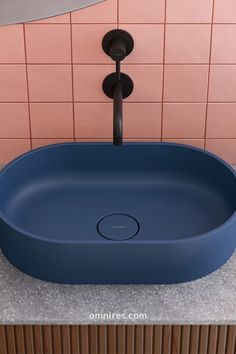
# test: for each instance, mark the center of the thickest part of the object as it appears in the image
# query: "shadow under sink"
(139, 213)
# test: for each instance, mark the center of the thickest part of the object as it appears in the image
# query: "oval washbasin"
(139, 213)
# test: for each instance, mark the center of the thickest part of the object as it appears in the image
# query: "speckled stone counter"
(24, 300)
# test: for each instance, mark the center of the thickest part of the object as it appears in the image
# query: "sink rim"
(107, 241)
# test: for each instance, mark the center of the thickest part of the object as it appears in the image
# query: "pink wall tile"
(225, 11)
(48, 44)
(65, 18)
(186, 83)
(36, 143)
(87, 43)
(189, 11)
(224, 44)
(50, 83)
(93, 140)
(87, 39)
(225, 148)
(142, 120)
(14, 120)
(48, 78)
(187, 43)
(148, 43)
(105, 12)
(11, 148)
(199, 143)
(184, 120)
(139, 11)
(139, 140)
(12, 44)
(222, 83)
(93, 120)
(88, 82)
(58, 122)
(110, 140)
(221, 122)
(147, 82)
(13, 83)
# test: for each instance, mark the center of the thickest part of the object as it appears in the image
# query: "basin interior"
(61, 192)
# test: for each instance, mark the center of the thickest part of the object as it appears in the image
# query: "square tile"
(147, 81)
(199, 143)
(14, 120)
(139, 140)
(222, 83)
(110, 140)
(104, 12)
(65, 18)
(225, 148)
(223, 44)
(145, 51)
(13, 83)
(139, 11)
(48, 43)
(189, 11)
(51, 120)
(11, 148)
(37, 143)
(184, 120)
(93, 140)
(12, 44)
(87, 43)
(186, 83)
(225, 11)
(187, 44)
(221, 122)
(50, 83)
(142, 120)
(93, 120)
(88, 81)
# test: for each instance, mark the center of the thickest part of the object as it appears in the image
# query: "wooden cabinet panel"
(122, 339)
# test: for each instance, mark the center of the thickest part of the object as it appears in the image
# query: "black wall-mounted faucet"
(118, 44)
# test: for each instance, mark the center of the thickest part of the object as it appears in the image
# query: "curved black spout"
(118, 114)
(117, 86)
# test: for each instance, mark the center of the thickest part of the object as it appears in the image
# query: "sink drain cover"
(118, 227)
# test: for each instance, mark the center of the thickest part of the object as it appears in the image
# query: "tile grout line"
(101, 138)
(118, 14)
(132, 23)
(124, 64)
(125, 102)
(72, 76)
(27, 86)
(209, 74)
(163, 71)
(111, 64)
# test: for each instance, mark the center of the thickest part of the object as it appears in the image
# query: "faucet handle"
(118, 44)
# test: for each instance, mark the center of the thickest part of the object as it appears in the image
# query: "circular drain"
(118, 227)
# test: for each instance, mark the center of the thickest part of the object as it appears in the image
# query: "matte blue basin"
(139, 213)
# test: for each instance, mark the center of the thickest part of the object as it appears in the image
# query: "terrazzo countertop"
(25, 300)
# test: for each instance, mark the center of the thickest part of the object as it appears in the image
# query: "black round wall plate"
(117, 34)
(110, 81)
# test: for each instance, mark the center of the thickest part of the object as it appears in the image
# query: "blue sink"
(139, 213)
